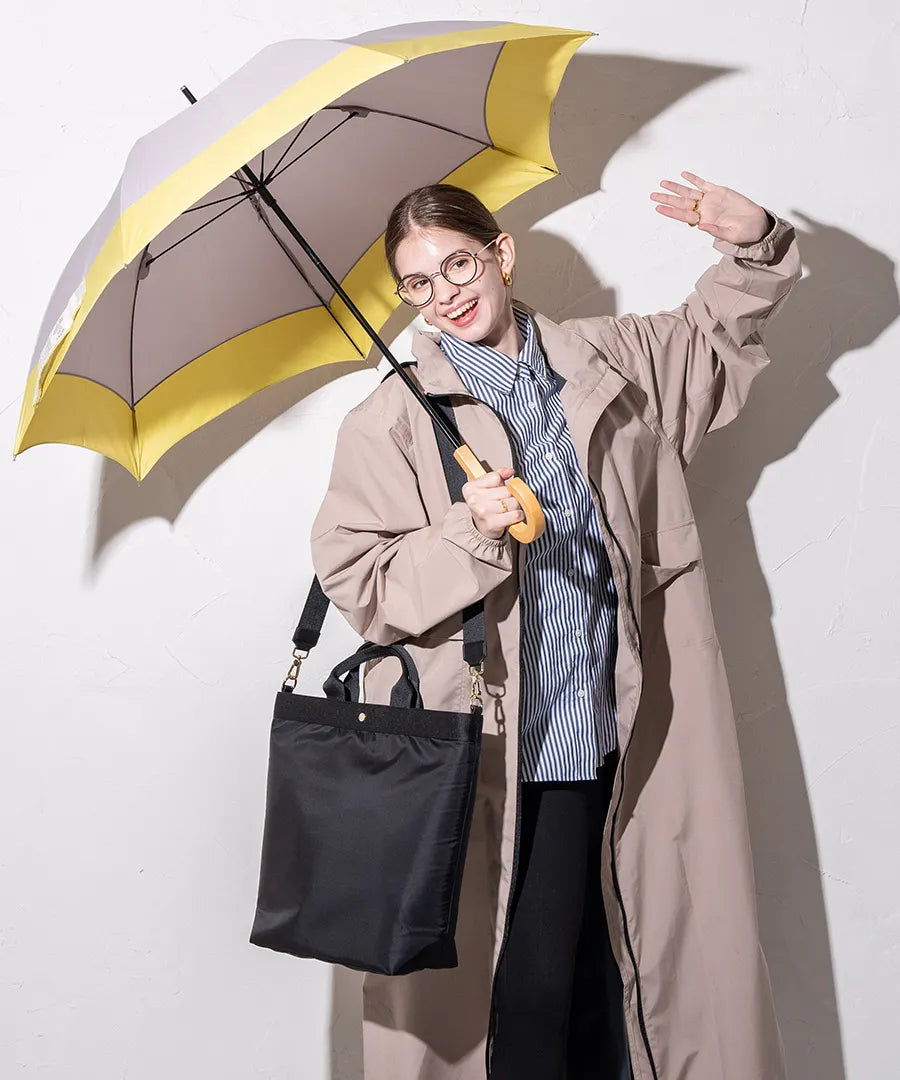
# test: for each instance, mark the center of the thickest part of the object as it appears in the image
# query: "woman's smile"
(466, 313)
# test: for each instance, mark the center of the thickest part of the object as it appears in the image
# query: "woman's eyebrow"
(424, 273)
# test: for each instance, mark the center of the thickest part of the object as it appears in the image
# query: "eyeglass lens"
(458, 268)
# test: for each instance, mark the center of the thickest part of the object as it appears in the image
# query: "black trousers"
(558, 993)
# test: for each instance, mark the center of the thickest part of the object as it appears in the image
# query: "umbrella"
(244, 241)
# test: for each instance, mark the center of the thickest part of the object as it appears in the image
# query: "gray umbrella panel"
(169, 147)
(221, 271)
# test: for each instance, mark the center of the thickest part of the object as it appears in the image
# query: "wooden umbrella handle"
(533, 525)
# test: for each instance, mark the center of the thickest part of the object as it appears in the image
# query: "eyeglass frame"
(461, 251)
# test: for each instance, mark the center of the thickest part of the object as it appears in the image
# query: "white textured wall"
(145, 628)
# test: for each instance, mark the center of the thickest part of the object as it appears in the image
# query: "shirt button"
(570, 571)
(533, 405)
(550, 456)
(581, 693)
(578, 633)
(568, 513)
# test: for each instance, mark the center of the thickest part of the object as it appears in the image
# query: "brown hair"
(442, 206)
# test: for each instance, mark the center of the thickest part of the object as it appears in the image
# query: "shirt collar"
(491, 365)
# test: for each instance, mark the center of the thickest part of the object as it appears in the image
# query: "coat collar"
(576, 363)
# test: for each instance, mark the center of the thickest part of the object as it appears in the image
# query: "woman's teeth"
(462, 310)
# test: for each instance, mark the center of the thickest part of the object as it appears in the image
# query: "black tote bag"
(368, 808)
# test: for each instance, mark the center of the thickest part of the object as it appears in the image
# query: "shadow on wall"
(847, 300)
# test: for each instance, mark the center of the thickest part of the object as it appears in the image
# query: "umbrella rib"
(273, 174)
(312, 287)
(292, 258)
(215, 202)
(134, 430)
(276, 172)
(362, 110)
(134, 296)
(287, 150)
(250, 190)
(152, 258)
(246, 193)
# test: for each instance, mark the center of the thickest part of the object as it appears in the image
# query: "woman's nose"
(444, 290)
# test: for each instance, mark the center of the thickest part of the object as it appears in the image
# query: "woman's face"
(423, 251)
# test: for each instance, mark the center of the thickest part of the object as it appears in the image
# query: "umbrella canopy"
(188, 294)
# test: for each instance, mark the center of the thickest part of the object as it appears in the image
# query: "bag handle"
(309, 628)
(405, 693)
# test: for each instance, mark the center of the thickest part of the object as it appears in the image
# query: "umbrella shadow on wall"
(784, 404)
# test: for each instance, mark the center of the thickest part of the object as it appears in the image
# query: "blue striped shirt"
(568, 598)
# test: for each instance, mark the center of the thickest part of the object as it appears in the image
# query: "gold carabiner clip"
(290, 679)
(476, 671)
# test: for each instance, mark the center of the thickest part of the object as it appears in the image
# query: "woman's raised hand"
(483, 497)
(721, 211)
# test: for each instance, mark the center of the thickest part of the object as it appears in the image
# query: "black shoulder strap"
(393, 371)
(474, 647)
(310, 626)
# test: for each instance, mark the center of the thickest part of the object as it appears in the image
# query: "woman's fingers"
(680, 204)
(483, 496)
(681, 190)
(680, 215)
(700, 185)
(676, 200)
(698, 181)
(490, 480)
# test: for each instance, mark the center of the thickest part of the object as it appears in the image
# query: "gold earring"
(507, 279)
(427, 323)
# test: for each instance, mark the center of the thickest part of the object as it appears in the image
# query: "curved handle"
(405, 693)
(533, 525)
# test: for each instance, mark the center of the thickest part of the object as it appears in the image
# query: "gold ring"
(503, 504)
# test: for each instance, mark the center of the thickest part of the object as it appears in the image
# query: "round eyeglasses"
(459, 268)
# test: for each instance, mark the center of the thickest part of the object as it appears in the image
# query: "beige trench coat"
(400, 562)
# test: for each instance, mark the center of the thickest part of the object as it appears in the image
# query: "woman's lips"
(464, 320)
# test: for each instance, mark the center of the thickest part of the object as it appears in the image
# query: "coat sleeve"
(390, 571)
(696, 362)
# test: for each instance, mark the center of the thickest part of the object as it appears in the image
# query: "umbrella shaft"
(270, 201)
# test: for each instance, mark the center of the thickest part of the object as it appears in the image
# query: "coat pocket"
(667, 553)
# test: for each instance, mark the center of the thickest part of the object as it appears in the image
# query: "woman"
(607, 922)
